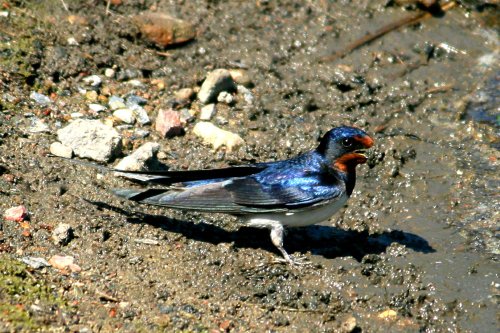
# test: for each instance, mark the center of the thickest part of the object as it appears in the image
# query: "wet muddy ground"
(415, 249)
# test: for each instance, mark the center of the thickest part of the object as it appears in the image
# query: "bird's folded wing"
(237, 196)
(307, 191)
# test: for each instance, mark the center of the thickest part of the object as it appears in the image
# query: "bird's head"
(343, 147)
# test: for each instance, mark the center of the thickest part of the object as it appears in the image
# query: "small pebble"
(128, 74)
(168, 123)
(217, 137)
(72, 41)
(62, 234)
(35, 262)
(138, 160)
(124, 127)
(187, 116)
(93, 80)
(96, 108)
(135, 83)
(184, 95)
(388, 314)
(146, 241)
(207, 112)
(109, 72)
(40, 98)
(64, 263)
(58, 149)
(135, 100)
(140, 114)
(17, 214)
(161, 155)
(38, 126)
(116, 103)
(247, 94)
(349, 325)
(241, 77)
(91, 95)
(225, 97)
(76, 115)
(217, 81)
(141, 133)
(125, 116)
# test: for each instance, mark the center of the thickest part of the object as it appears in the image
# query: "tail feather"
(137, 194)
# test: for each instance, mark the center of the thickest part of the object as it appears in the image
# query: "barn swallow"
(301, 191)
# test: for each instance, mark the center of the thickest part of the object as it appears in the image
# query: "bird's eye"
(347, 142)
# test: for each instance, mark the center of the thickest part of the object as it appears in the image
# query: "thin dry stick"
(370, 37)
(65, 5)
(108, 4)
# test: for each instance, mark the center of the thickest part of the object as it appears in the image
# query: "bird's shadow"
(326, 241)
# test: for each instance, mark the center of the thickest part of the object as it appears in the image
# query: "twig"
(370, 37)
(65, 5)
(108, 4)
(106, 296)
(164, 54)
(439, 89)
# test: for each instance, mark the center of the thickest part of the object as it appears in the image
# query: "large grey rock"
(216, 82)
(91, 139)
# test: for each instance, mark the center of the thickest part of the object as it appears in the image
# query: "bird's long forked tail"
(166, 177)
(138, 195)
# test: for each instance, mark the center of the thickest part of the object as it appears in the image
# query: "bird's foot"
(294, 261)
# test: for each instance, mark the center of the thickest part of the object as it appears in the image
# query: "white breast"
(300, 218)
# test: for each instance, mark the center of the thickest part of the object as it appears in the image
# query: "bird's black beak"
(360, 154)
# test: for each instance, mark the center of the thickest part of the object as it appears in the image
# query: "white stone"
(140, 114)
(125, 116)
(40, 98)
(96, 107)
(138, 159)
(91, 139)
(225, 97)
(116, 103)
(62, 234)
(35, 262)
(135, 83)
(93, 80)
(76, 115)
(109, 72)
(38, 126)
(72, 41)
(207, 112)
(247, 94)
(217, 137)
(217, 81)
(58, 149)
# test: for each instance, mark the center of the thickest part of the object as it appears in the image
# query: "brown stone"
(163, 29)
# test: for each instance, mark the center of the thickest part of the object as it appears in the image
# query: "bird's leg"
(277, 234)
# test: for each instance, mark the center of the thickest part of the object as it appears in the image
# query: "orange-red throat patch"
(348, 161)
